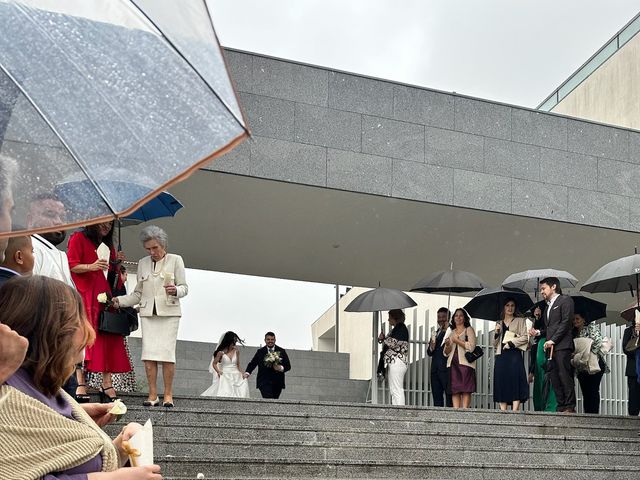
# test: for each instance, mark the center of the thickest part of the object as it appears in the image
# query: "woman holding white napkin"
(161, 285)
(95, 267)
(45, 434)
(510, 386)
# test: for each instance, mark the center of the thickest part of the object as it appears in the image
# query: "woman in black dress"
(510, 386)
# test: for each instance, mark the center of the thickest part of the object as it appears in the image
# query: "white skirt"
(159, 335)
(230, 384)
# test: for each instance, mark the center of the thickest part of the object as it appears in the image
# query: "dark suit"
(439, 375)
(630, 372)
(559, 326)
(270, 382)
(6, 274)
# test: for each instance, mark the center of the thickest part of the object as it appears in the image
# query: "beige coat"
(470, 343)
(518, 326)
(150, 288)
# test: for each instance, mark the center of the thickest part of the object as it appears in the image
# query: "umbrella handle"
(551, 353)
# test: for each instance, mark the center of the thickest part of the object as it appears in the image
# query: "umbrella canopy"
(164, 205)
(451, 281)
(629, 313)
(529, 280)
(621, 275)
(73, 194)
(134, 91)
(489, 303)
(380, 299)
(589, 308)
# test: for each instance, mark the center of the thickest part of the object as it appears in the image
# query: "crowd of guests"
(50, 338)
(548, 333)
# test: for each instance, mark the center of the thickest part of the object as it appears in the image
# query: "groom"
(272, 362)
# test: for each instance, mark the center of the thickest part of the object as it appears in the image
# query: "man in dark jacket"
(558, 319)
(439, 375)
(632, 331)
(18, 258)
(272, 362)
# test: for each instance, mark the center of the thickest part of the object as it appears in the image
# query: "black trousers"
(590, 386)
(269, 390)
(439, 380)
(634, 395)
(70, 385)
(562, 380)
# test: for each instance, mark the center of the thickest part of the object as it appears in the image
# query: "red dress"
(108, 353)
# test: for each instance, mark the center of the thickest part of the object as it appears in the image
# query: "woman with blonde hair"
(45, 432)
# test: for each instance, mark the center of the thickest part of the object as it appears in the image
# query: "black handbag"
(119, 322)
(474, 355)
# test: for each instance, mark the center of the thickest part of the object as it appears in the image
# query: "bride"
(225, 367)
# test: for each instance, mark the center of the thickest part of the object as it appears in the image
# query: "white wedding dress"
(230, 383)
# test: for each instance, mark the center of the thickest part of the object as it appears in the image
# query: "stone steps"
(185, 467)
(245, 434)
(255, 438)
(333, 451)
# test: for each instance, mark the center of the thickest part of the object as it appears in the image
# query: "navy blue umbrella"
(164, 205)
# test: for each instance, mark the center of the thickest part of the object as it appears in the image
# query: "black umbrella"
(380, 299)
(629, 313)
(448, 281)
(589, 308)
(451, 281)
(489, 303)
(377, 300)
(621, 275)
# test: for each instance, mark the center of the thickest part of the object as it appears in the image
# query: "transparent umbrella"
(91, 91)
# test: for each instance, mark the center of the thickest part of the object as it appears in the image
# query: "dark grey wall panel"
(316, 126)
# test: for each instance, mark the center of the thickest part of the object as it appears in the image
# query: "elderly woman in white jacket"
(161, 284)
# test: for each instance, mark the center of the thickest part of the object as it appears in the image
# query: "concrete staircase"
(314, 376)
(228, 438)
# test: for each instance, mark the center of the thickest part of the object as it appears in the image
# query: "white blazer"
(150, 291)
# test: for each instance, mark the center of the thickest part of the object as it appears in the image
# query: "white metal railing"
(613, 388)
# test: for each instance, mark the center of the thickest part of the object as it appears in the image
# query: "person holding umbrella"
(558, 317)
(439, 373)
(630, 341)
(590, 383)
(462, 378)
(510, 385)
(395, 351)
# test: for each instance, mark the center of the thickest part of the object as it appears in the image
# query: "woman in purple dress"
(44, 431)
(461, 338)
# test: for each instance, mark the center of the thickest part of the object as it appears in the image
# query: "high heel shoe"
(82, 397)
(104, 398)
(151, 403)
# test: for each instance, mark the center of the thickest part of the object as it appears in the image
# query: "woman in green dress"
(544, 399)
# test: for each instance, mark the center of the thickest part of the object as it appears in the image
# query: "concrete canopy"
(252, 226)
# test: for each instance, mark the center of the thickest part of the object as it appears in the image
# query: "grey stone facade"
(319, 127)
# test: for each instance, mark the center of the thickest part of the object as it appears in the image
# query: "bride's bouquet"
(272, 358)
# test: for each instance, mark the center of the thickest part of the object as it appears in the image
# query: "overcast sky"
(511, 51)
